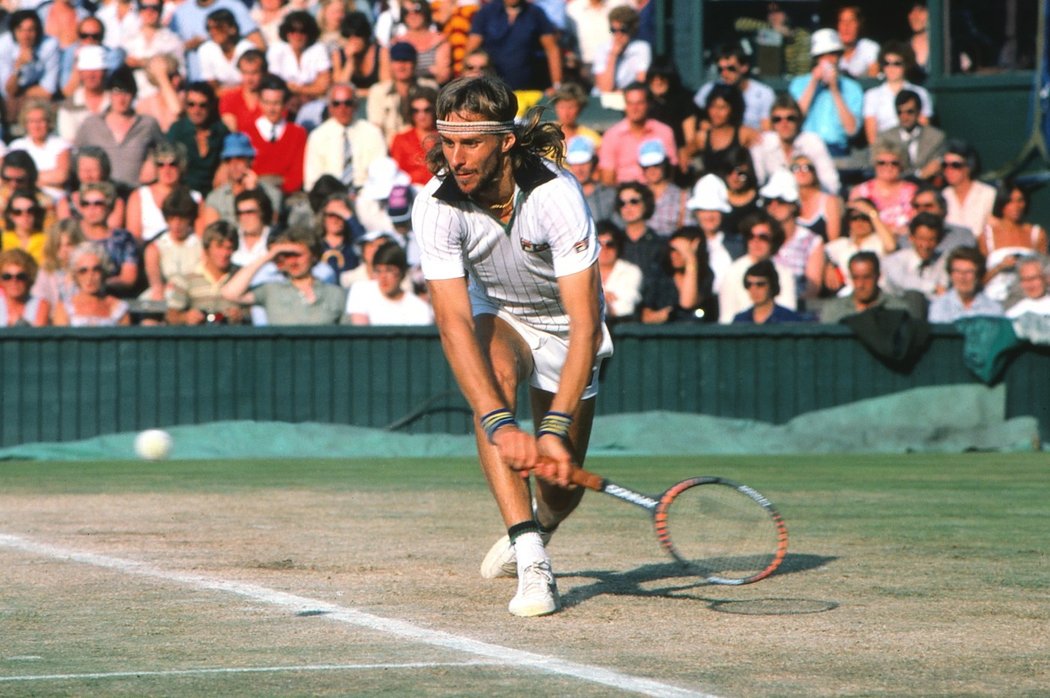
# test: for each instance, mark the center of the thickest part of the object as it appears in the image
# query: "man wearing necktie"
(280, 145)
(924, 145)
(342, 146)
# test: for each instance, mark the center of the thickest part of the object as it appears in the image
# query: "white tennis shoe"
(502, 560)
(537, 592)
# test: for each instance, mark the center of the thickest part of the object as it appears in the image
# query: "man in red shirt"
(240, 106)
(618, 156)
(279, 144)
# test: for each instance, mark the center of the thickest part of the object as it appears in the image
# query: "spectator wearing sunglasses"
(643, 246)
(18, 306)
(923, 144)
(888, 189)
(92, 305)
(624, 58)
(734, 68)
(342, 146)
(19, 172)
(121, 249)
(23, 224)
(785, 141)
(301, 59)
(880, 109)
(763, 237)
(762, 284)
(90, 32)
(970, 201)
(201, 133)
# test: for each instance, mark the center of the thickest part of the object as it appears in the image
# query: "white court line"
(242, 670)
(390, 626)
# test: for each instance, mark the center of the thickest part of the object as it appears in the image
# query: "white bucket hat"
(781, 185)
(709, 194)
(825, 41)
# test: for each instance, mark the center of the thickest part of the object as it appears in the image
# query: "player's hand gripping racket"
(724, 531)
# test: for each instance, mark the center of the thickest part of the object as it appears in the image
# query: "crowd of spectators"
(213, 161)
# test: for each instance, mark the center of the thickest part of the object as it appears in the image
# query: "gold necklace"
(506, 204)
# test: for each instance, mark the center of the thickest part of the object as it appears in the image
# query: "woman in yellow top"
(23, 225)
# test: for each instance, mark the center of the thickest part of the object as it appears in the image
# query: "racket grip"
(586, 479)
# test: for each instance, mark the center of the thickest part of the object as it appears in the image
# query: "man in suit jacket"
(924, 144)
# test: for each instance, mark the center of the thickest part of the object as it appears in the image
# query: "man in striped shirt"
(510, 257)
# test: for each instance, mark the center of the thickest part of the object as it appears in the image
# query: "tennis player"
(510, 258)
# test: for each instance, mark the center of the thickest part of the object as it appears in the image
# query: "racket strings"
(723, 534)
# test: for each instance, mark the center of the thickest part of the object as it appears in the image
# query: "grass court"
(905, 575)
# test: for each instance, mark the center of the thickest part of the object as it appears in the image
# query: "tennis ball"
(153, 444)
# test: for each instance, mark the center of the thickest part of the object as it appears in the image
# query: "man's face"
(924, 242)
(90, 32)
(295, 264)
(92, 80)
(401, 71)
(926, 202)
(963, 274)
(730, 71)
(271, 102)
(1033, 281)
(220, 253)
(785, 123)
(388, 277)
(251, 74)
(196, 108)
(709, 221)
(636, 106)
(341, 105)
(236, 168)
(865, 281)
(583, 171)
(476, 160)
(908, 115)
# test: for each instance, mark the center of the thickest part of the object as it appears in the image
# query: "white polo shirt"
(514, 267)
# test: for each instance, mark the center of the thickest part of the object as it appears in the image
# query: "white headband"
(482, 127)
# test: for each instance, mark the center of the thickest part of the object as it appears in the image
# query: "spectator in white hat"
(832, 102)
(802, 250)
(707, 203)
(581, 159)
(669, 213)
(89, 97)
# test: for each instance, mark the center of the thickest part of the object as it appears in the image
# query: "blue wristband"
(555, 423)
(497, 419)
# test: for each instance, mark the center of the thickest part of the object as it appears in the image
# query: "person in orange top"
(409, 147)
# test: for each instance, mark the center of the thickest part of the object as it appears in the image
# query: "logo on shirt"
(534, 248)
(582, 245)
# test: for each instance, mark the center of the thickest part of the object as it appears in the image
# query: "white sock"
(528, 548)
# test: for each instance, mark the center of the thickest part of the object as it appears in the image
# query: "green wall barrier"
(63, 384)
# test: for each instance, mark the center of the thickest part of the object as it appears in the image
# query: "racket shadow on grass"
(671, 580)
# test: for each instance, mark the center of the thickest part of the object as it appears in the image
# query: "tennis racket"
(721, 530)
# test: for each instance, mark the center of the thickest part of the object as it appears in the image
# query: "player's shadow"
(669, 580)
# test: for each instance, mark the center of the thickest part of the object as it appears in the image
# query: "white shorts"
(549, 351)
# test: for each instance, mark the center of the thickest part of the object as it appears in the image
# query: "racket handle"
(587, 479)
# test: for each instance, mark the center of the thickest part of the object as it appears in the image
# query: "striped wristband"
(495, 420)
(556, 423)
